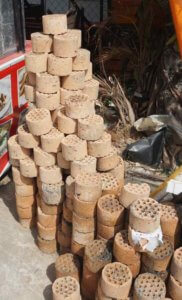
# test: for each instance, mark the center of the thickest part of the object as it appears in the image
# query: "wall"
(7, 29)
(92, 7)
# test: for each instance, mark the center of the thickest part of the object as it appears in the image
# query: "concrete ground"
(25, 272)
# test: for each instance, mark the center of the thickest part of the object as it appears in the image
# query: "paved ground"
(25, 272)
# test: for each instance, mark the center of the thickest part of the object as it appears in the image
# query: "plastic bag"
(148, 151)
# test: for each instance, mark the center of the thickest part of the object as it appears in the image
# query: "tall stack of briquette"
(69, 180)
(63, 140)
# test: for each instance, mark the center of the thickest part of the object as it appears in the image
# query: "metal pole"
(19, 24)
(101, 10)
(44, 6)
(109, 7)
(23, 25)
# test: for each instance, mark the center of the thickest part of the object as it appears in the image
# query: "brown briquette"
(63, 240)
(41, 43)
(78, 34)
(74, 81)
(19, 179)
(67, 265)
(82, 238)
(67, 213)
(63, 163)
(145, 215)
(49, 209)
(91, 89)
(59, 66)
(29, 93)
(116, 280)
(46, 233)
(133, 191)
(109, 211)
(108, 242)
(31, 78)
(108, 232)
(87, 164)
(26, 212)
(66, 124)
(54, 24)
(66, 227)
(88, 186)
(25, 190)
(66, 287)
(36, 62)
(39, 121)
(118, 172)
(28, 223)
(79, 106)
(47, 221)
(125, 253)
(101, 147)
(42, 158)
(53, 194)
(65, 94)
(108, 162)
(14, 162)
(174, 288)
(170, 224)
(65, 45)
(48, 101)
(97, 254)
(27, 139)
(77, 248)
(89, 73)
(50, 174)
(176, 264)
(102, 296)
(15, 150)
(51, 142)
(84, 225)
(28, 167)
(47, 83)
(69, 203)
(24, 202)
(73, 148)
(89, 283)
(163, 274)
(54, 116)
(85, 209)
(110, 184)
(82, 60)
(47, 247)
(149, 286)
(159, 259)
(91, 128)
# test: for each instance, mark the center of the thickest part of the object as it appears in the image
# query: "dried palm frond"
(111, 89)
(135, 51)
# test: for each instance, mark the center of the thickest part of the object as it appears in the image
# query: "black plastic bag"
(148, 151)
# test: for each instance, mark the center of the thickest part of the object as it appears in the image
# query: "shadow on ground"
(51, 272)
(47, 293)
(7, 195)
